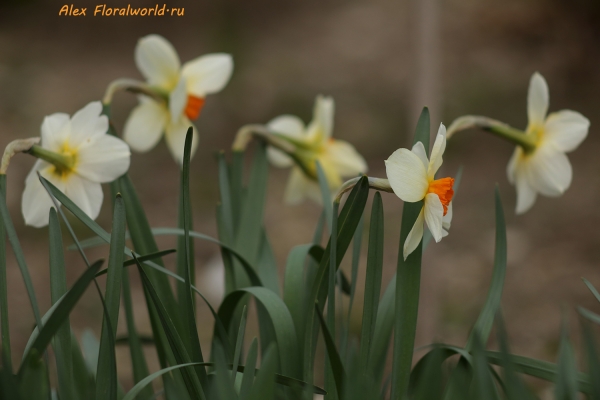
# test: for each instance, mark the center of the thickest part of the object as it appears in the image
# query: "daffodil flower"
(545, 169)
(76, 155)
(312, 143)
(412, 177)
(183, 89)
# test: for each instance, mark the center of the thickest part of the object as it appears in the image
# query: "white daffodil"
(76, 155)
(545, 169)
(338, 158)
(412, 178)
(183, 88)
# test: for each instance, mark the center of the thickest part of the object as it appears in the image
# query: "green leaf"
(33, 379)
(592, 289)
(408, 282)
(139, 386)
(222, 383)
(372, 281)
(9, 230)
(60, 313)
(515, 387)
(483, 385)
(176, 344)
(250, 370)
(593, 360)
(426, 381)
(58, 288)
(337, 367)
(384, 325)
(267, 265)
(485, 321)
(238, 344)
(264, 384)
(566, 379)
(592, 316)
(331, 383)
(106, 376)
(4, 327)
(138, 361)
(85, 382)
(187, 304)
(281, 320)
(348, 220)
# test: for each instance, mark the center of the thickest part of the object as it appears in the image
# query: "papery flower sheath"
(338, 158)
(78, 156)
(412, 178)
(545, 169)
(183, 88)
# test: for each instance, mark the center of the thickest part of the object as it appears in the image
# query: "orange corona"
(193, 107)
(443, 188)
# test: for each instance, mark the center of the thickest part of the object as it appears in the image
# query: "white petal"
(345, 159)
(36, 202)
(526, 194)
(414, 236)
(55, 131)
(175, 136)
(434, 214)
(447, 220)
(537, 100)
(549, 171)
(407, 175)
(158, 61)
(278, 158)
(321, 127)
(104, 160)
(208, 74)
(513, 164)
(287, 125)
(419, 150)
(178, 100)
(439, 146)
(87, 124)
(145, 125)
(297, 186)
(86, 194)
(566, 129)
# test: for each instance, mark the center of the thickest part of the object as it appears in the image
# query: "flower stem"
(374, 183)
(14, 147)
(133, 86)
(61, 161)
(498, 128)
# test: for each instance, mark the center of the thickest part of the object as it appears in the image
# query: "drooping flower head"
(412, 177)
(338, 158)
(183, 88)
(78, 156)
(545, 169)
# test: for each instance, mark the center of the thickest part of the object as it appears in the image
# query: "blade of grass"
(85, 382)
(566, 378)
(325, 196)
(408, 282)
(336, 363)
(58, 288)
(356, 249)
(331, 384)
(187, 304)
(5, 331)
(250, 370)
(9, 230)
(593, 361)
(592, 316)
(57, 318)
(267, 265)
(347, 223)
(483, 385)
(238, 344)
(485, 321)
(264, 384)
(138, 361)
(281, 320)
(372, 281)
(106, 376)
(176, 344)
(33, 380)
(592, 289)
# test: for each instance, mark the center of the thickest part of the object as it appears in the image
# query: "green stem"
(513, 135)
(61, 161)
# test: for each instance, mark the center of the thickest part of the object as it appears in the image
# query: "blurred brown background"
(381, 61)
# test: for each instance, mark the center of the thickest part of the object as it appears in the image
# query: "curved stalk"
(14, 147)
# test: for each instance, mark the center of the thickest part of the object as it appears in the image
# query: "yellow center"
(64, 170)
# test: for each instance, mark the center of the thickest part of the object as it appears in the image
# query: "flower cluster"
(77, 154)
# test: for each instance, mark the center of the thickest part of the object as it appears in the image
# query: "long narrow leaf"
(106, 377)
(408, 282)
(336, 363)
(5, 331)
